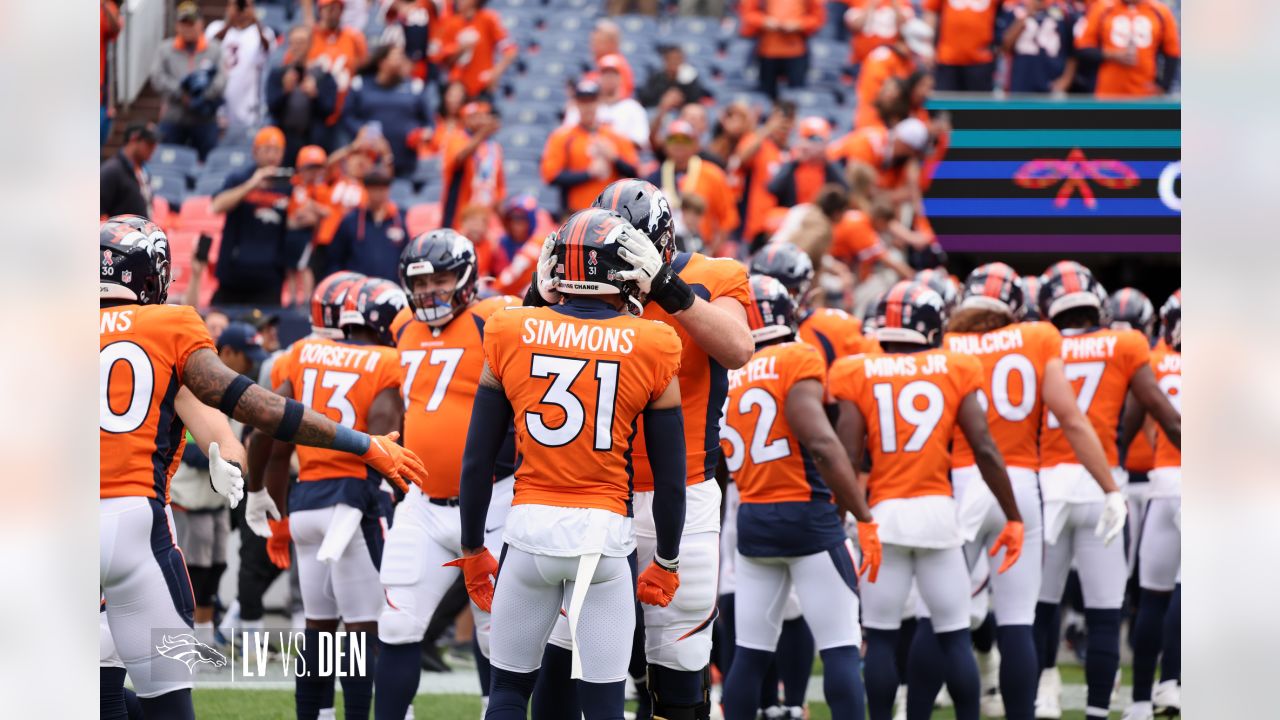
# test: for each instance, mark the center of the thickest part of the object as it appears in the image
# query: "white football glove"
(258, 507)
(643, 256)
(1114, 512)
(226, 478)
(544, 278)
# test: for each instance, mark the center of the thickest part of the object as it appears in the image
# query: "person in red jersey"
(440, 338)
(966, 43)
(903, 406)
(1104, 366)
(149, 353)
(788, 466)
(1137, 44)
(575, 377)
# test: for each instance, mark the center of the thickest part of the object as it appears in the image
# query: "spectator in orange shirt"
(782, 29)
(337, 50)
(799, 180)
(472, 164)
(912, 50)
(525, 228)
(432, 141)
(894, 156)
(110, 24)
(1127, 37)
(309, 205)
(684, 172)
(966, 37)
(758, 156)
(606, 39)
(581, 160)
(474, 222)
(855, 241)
(874, 23)
(475, 38)
(348, 167)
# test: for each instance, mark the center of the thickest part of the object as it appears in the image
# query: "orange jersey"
(909, 402)
(883, 63)
(870, 146)
(855, 242)
(477, 179)
(441, 374)
(757, 171)
(1013, 361)
(767, 461)
(1099, 365)
(340, 381)
(340, 52)
(578, 376)
(835, 334)
(879, 28)
(573, 148)
(345, 194)
(474, 65)
(966, 30)
(1142, 454)
(808, 16)
(142, 355)
(1167, 365)
(703, 381)
(1146, 26)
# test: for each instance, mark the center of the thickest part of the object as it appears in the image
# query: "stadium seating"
(196, 215)
(229, 159)
(423, 217)
(179, 158)
(169, 184)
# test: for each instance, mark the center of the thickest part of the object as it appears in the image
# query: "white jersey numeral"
(143, 380)
(563, 372)
(341, 384)
(924, 420)
(1091, 373)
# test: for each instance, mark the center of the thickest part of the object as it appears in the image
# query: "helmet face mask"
(437, 253)
(134, 261)
(643, 205)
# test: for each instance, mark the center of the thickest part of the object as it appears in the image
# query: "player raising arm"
(148, 352)
(786, 468)
(903, 406)
(575, 377)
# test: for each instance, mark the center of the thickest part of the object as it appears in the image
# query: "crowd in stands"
(302, 136)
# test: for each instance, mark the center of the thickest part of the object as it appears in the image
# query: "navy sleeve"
(340, 248)
(624, 168)
(570, 178)
(490, 417)
(664, 436)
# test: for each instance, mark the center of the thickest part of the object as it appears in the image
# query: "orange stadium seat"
(422, 218)
(196, 215)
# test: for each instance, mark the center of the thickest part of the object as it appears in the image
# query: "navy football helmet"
(134, 255)
(587, 260)
(773, 310)
(911, 312)
(1171, 320)
(787, 264)
(994, 286)
(1130, 309)
(643, 205)
(373, 303)
(327, 301)
(1068, 284)
(442, 250)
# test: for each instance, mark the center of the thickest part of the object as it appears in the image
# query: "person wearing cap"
(268, 326)
(756, 158)
(606, 39)
(251, 260)
(472, 166)
(621, 113)
(476, 47)
(385, 99)
(123, 187)
(781, 29)
(369, 238)
(684, 172)
(189, 75)
(674, 84)
(583, 158)
(799, 180)
(966, 44)
(912, 50)
(309, 205)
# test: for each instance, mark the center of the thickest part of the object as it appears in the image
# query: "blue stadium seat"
(210, 183)
(229, 158)
(696, 26)
(531, 115)
(638, 25)
(520, 24)
(502, 6)
(169, 184)
(274, 17)
(402, 192)
(179, 158)
(427, 171)
(548, 92)
(569, 23)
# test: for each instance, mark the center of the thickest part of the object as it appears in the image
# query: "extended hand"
(478, 573)
(225, 477)
(393, 461)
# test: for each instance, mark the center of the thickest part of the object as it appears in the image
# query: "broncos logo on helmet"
(787, 264)
(437, 251)
(911, 312)
(374, 303)
(643, 205)
(327, 301)
(134, 261)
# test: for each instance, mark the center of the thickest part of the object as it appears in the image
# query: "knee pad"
(664, 682)
(397, 627)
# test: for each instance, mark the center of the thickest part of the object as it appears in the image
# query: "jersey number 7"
(564, 372)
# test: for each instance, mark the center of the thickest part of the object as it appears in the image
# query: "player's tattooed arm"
(851, 428)
(808, 420)
(973, 421)
(1147, 392)
(209, 380)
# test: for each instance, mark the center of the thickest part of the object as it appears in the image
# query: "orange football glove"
(478, 572)
(278, 543)
(393, 461)
(872, 552)
(657, 585)
(1010, 539)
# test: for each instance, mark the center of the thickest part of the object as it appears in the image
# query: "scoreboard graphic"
(1047, 175)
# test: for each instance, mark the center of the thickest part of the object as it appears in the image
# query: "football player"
(1130, 309)
(834, 332)
(148, 352)
(705, 301)
(1158, 628)
(440, 339)
(336, 513)
(575, 377)
(903, 406)
(1022, 373)
(788, 464)
(1104, 366)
